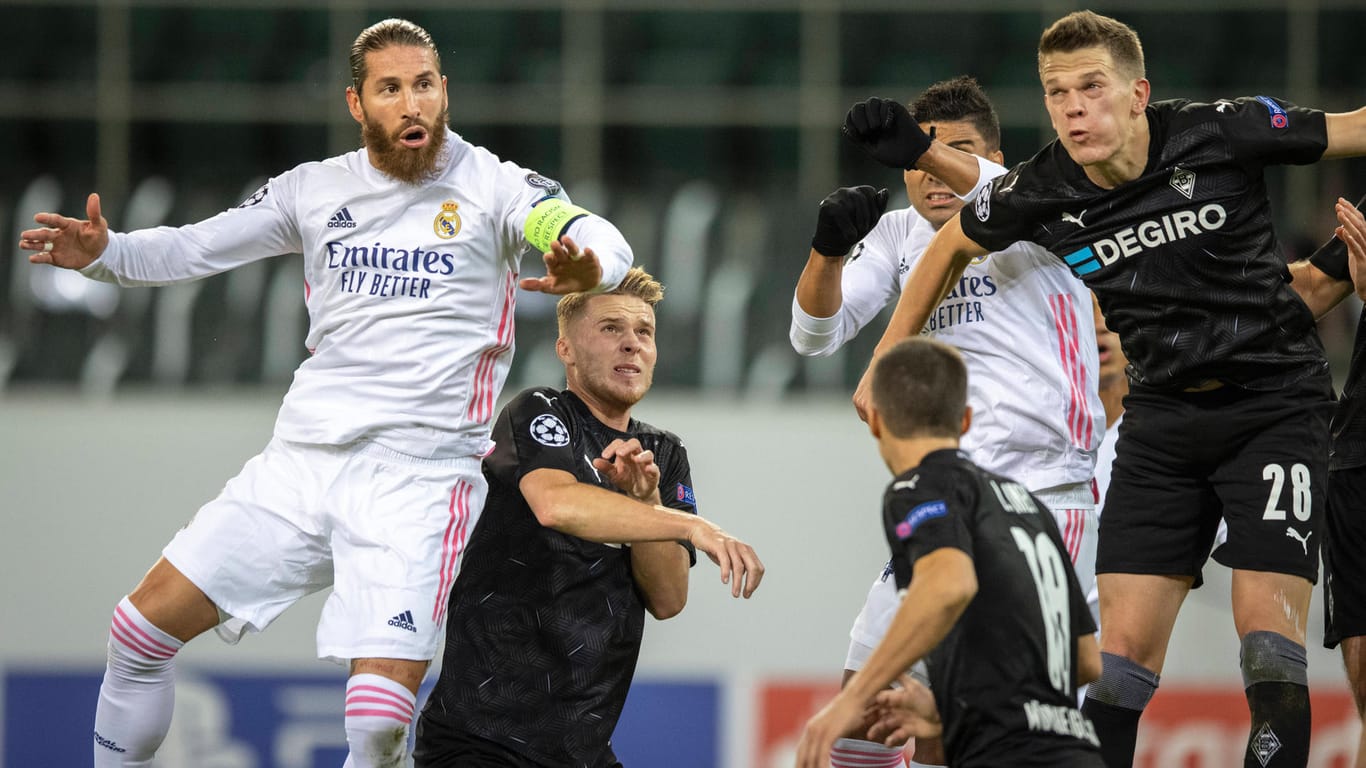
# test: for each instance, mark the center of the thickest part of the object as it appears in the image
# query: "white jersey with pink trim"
(1024, 325)
(410, 289)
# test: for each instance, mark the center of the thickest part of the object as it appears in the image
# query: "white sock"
(138, 693)
(379, 714)
(856, 753)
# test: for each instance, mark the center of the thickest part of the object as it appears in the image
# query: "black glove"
(887, 132)
(846, 216)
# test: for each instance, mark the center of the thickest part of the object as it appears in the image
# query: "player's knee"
(1123, 683)
(376, 743)
(138, 648)
(1270, 657)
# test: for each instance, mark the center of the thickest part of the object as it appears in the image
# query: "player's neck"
(1113, 400)
(903, 454)
(612, 414)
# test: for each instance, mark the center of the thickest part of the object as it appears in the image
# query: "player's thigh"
(1344, 565)
(1265, 601)
(1160, 511)
(870, 626)
(1138, 612)
(260, 546)
(1074, 510)
(172, 603)
(399, 531)
(1354, 661)
(1273, 484)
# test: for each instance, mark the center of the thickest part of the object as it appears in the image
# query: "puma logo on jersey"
(548, 400)
(1069, 218)
(1303, 540)
(1152, 233)
(1223, 105)
(902, 485)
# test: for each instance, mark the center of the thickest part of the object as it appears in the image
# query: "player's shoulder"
(535, 400)
(647, 431)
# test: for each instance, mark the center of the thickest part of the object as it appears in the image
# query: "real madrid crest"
(447, 223)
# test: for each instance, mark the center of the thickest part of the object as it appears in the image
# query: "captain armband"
(548, 220)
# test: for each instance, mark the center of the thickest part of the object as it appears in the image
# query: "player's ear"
(353, 104)
(997, 156)
(563, 351)
(967, 419)
(1143, 90)
(874, 422)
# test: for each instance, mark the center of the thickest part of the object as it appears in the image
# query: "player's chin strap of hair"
(549, 218)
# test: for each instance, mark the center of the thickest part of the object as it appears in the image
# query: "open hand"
(631, 468)
(567, 270)
(65, 242)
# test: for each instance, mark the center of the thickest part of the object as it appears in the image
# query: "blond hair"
(637, 283)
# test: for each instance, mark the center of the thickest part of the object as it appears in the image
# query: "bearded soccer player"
(371, 483)
(1161, 209)
(591, 521)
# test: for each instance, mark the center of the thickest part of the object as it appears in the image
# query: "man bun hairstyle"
(920, 389)
(1085, 29)
(959, 99)
(384, 34)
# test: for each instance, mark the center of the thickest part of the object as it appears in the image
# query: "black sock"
(1117, 728)
(1280, 725)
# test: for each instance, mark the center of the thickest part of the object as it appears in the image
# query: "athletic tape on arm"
(548, 219)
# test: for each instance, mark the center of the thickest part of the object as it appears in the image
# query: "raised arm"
(949, 253)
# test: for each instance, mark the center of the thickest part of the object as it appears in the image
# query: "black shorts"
(1183, 459)
(1344, 564)
(441, 746)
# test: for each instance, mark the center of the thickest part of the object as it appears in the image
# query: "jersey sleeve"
(522, 189)
(931, 515)
(869, 281)
(997, 217)
(1264, 131)
(264, 225)
(676, 489)
(533, 432)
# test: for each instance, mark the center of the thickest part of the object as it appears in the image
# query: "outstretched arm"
(845, 217)
(949, 253)
(65, 242)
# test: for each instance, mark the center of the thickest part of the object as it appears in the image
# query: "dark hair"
(920, 388)
(960, 99)
(383, 34)
(1084, 29)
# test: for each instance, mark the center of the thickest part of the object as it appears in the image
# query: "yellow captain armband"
(548, 219)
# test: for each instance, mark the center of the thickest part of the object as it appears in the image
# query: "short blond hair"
(637, 283)
(1086, 29)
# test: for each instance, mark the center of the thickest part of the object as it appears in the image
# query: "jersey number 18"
(1050, 582)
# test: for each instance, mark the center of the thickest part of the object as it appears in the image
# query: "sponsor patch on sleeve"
(982, 205)
(1279, 119)
(918, 515)
(685, 495)
(538, 181)
(257, 196)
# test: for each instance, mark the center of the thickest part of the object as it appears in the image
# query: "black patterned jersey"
(1348, 448)
(1184, 259)
(545, 627)
(1004, 677)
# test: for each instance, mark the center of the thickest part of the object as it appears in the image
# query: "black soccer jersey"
(545, 627)
(1004, 677)
(1183, 259)
(1349, 417)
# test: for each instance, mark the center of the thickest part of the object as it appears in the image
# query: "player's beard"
(410, 166)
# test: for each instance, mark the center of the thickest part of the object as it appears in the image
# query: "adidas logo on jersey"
(341, 220)
(403, 621)
(1132, 241)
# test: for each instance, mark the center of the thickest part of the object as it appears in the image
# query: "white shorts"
(1074, 509)
(385, 530)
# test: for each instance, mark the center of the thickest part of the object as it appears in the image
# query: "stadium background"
(708, 130)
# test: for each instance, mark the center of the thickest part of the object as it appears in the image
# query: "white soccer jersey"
(1024, 325)
(410, 289)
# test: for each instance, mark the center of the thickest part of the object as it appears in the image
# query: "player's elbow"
(808, 344)
(667, 607)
